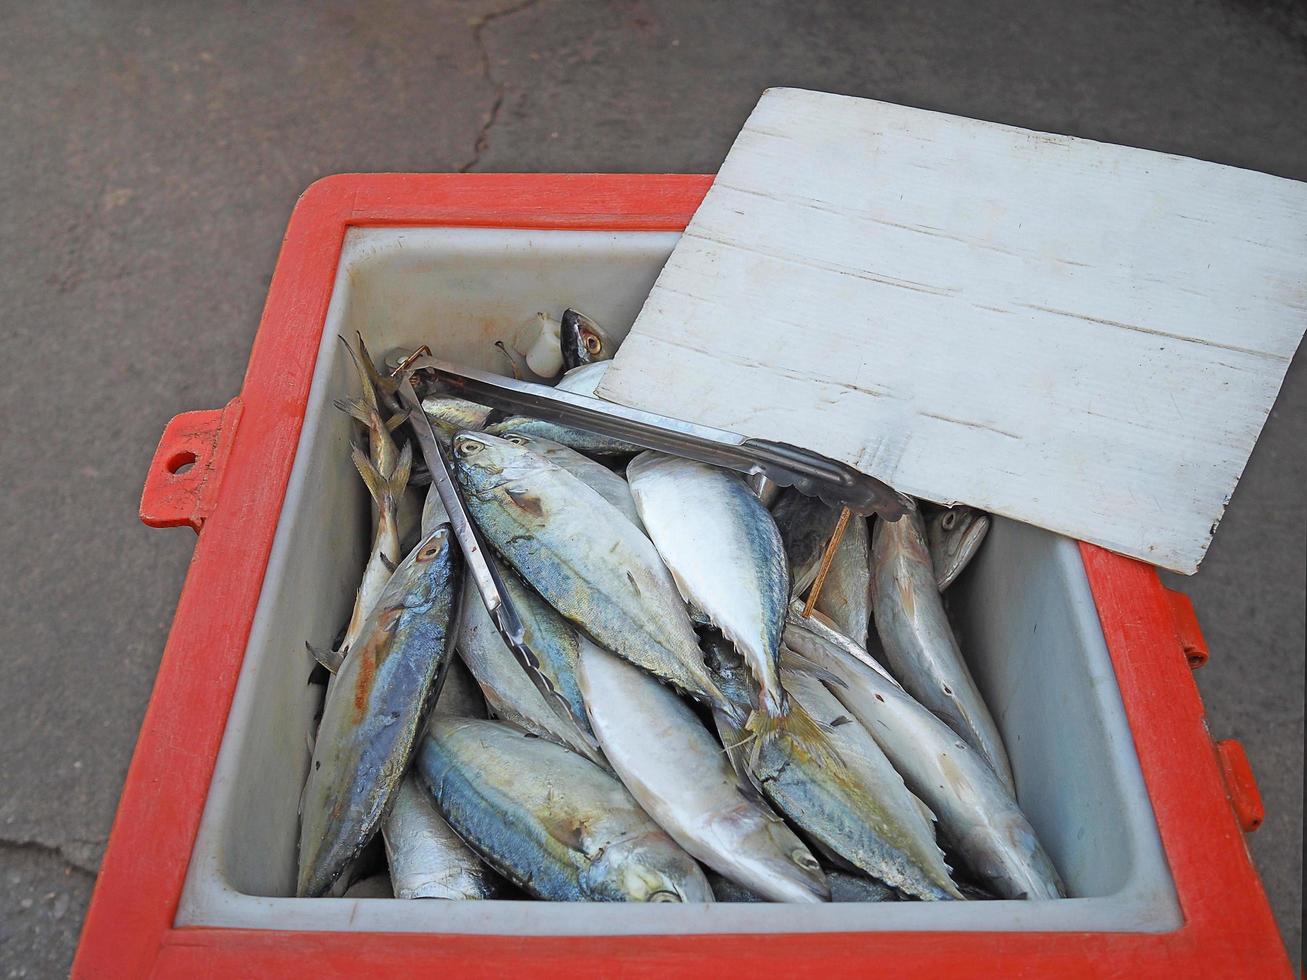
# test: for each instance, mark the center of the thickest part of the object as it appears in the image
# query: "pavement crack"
(478, 28)
(50, 850)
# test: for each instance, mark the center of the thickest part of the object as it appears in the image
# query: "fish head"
(484, 461)
(955, 534)
(648, 868)
(583, 340)
(769, 857)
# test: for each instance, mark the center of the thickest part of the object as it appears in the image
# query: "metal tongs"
(790, 466)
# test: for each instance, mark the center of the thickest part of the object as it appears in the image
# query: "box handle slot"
(1186, 626)
(1241, 784)
(181, 486)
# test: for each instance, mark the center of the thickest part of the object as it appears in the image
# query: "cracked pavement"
(151, 154)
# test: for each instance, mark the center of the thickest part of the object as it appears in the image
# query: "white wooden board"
(1081, 336)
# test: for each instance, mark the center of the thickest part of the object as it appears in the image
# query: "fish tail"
(379, 382)
(803, 733)
(357, 409)
(385, 491)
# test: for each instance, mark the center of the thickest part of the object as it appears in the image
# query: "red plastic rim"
(1228, 928)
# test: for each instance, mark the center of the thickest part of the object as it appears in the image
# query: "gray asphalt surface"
(150, 156)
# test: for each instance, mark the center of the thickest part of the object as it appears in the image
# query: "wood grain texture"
(1081, 336)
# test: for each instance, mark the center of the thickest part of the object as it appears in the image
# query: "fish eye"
(516, 440)
(664, 896)
(593, 343)
(466, 447)
(804, 860)
(949, 520)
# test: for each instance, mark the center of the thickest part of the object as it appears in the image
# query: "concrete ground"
(150, 155)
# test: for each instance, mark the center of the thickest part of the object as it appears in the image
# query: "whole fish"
(587, 560)
(585, 379)
(806, 525)
(427, 859)
(583, 341)
(677, 771)
(374, 711)
(899, 818)
(954, 535)
(590, 443)
(509, 690)
(918, 640)
(978, 816)
(805, 778)
(554, 824)
(846, 595)
(598, 477)
(725, 555)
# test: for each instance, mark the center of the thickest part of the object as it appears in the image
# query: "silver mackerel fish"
(553, 823)
(374, 711)
(918, 639)
(725, 554)
(803, 775)
(584, 557)
(678, 772)
(978, 816)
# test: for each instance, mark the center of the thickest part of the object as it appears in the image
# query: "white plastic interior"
(1027, 624)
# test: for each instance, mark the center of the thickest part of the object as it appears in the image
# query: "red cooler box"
(1084, 657)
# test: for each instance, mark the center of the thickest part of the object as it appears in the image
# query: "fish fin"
(356, 408)
(331, 659)
(380, 383)
(396, 420)
(735, 743)
(369, 392)
(386, 492)
(926, 811)
(800, 730)
(797, 662)
(390, 565)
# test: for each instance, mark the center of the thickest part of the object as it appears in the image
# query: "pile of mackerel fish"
(682, 732)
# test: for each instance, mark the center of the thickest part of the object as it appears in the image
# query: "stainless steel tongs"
(808, 472)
